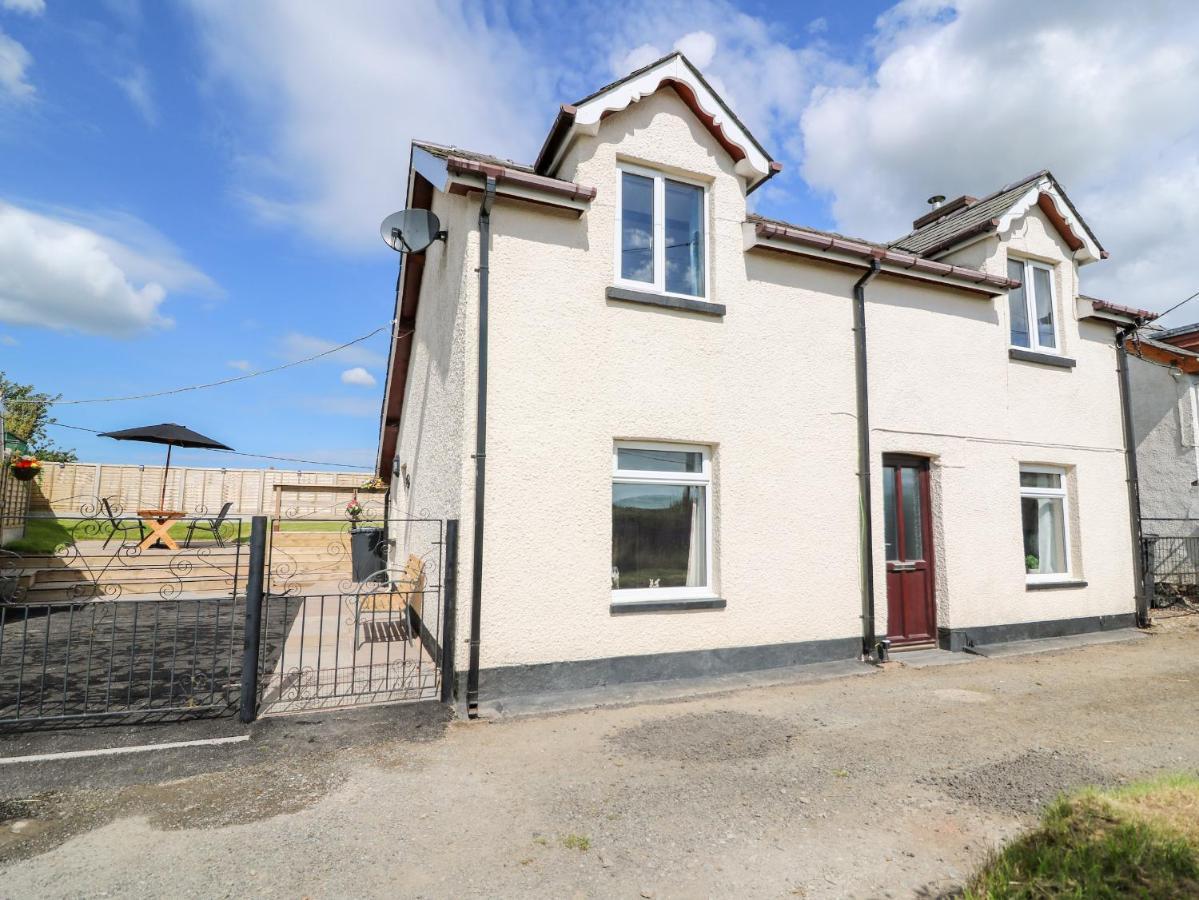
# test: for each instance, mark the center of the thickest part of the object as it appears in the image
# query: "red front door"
(911, 607)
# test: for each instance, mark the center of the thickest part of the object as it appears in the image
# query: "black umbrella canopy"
(167, 433)
(173, 436)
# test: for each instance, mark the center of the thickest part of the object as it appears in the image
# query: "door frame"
(924, 465)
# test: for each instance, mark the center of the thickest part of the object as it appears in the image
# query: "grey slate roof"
(968, 221)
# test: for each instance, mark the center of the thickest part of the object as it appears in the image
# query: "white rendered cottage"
(680, 400)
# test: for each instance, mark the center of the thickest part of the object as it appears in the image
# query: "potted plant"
(354, 510)
(24, 467)
(1031, 563)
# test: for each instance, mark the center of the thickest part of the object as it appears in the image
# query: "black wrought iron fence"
(1172, 564)
(69, 660)
(102, 624)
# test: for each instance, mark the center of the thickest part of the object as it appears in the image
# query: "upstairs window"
(661, 229)
(1031, 306)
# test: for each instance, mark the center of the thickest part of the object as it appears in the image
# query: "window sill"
(648, 298)
(1067, 584)
(1044, 359)
(624, 607)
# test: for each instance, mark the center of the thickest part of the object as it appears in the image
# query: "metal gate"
(345, 622)
(96, 622)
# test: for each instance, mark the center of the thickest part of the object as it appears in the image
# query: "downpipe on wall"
(865, 528)
(1141, 571)
(480, 455)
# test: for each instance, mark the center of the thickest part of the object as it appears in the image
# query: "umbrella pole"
(162, 498)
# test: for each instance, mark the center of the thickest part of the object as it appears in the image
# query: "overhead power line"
(223, 381)
(308, 462)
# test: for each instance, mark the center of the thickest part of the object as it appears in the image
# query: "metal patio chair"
(120, 524)
(213, 524)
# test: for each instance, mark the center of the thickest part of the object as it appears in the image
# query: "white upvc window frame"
(1062, 492)
(1030, 307)
(703, 478)
(658, 285)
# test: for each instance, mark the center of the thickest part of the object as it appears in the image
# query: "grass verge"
(1137, 841)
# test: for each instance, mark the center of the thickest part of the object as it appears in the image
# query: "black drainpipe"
(866, 548)
(476, 573)
(1140, 570)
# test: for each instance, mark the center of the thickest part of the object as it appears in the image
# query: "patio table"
(159, 522)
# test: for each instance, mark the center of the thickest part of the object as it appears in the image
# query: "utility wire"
(223, 381)
(1176, 305)
(310, 462)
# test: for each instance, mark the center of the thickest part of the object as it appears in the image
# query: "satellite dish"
(411, 230)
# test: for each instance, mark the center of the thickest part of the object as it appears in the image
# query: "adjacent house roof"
(772, 233)
(676, 71)
(966, 217)
(1186, 336)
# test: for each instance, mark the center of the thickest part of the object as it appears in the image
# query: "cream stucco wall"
(770, 387)
(432, 437)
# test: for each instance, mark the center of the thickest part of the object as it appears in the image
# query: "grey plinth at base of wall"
(1044, 359)
(542, 678)
(957, 639)
(647, 298)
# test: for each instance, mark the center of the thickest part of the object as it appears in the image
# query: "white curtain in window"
(1050, 544)
(697, 565)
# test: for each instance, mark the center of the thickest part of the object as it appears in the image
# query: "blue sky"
(200, 183)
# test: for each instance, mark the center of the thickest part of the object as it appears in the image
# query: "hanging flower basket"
(24, 467)
(354, 510)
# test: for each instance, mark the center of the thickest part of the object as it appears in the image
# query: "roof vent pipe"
(936, 200)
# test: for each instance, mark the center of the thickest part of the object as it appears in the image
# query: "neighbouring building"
(681, 397)
(1164, 374)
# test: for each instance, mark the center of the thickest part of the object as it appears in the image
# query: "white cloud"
(968, 95)
(8, 340)
(14, 61)
(358, 375)
(698, 46)
(295, 345)
(29, 7)
(242, 365)
(60, 274)
(136, 87)
(336, 92)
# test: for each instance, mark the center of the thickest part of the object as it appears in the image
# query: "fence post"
(253, 632)
(449, 629)
(1149, 571)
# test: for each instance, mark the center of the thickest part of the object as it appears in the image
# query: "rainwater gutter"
(1140, 569)
(480, 455)
(865, 528)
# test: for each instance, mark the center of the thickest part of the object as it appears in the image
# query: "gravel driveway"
(896, 783)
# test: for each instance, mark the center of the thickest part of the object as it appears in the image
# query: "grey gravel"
(1022, 784)
(896, 785)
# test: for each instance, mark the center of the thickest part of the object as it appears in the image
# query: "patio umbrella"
(173, 436)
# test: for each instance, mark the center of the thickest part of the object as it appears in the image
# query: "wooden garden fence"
(61, 488)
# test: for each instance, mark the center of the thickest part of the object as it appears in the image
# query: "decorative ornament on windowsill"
(1031, 563)
(354, 511)
(24, 467)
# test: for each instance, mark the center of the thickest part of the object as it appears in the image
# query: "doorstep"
(1049, 645)
(930, 656)
(633, 693)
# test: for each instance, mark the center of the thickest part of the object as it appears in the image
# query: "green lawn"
(43, 535)
(1137, 841)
